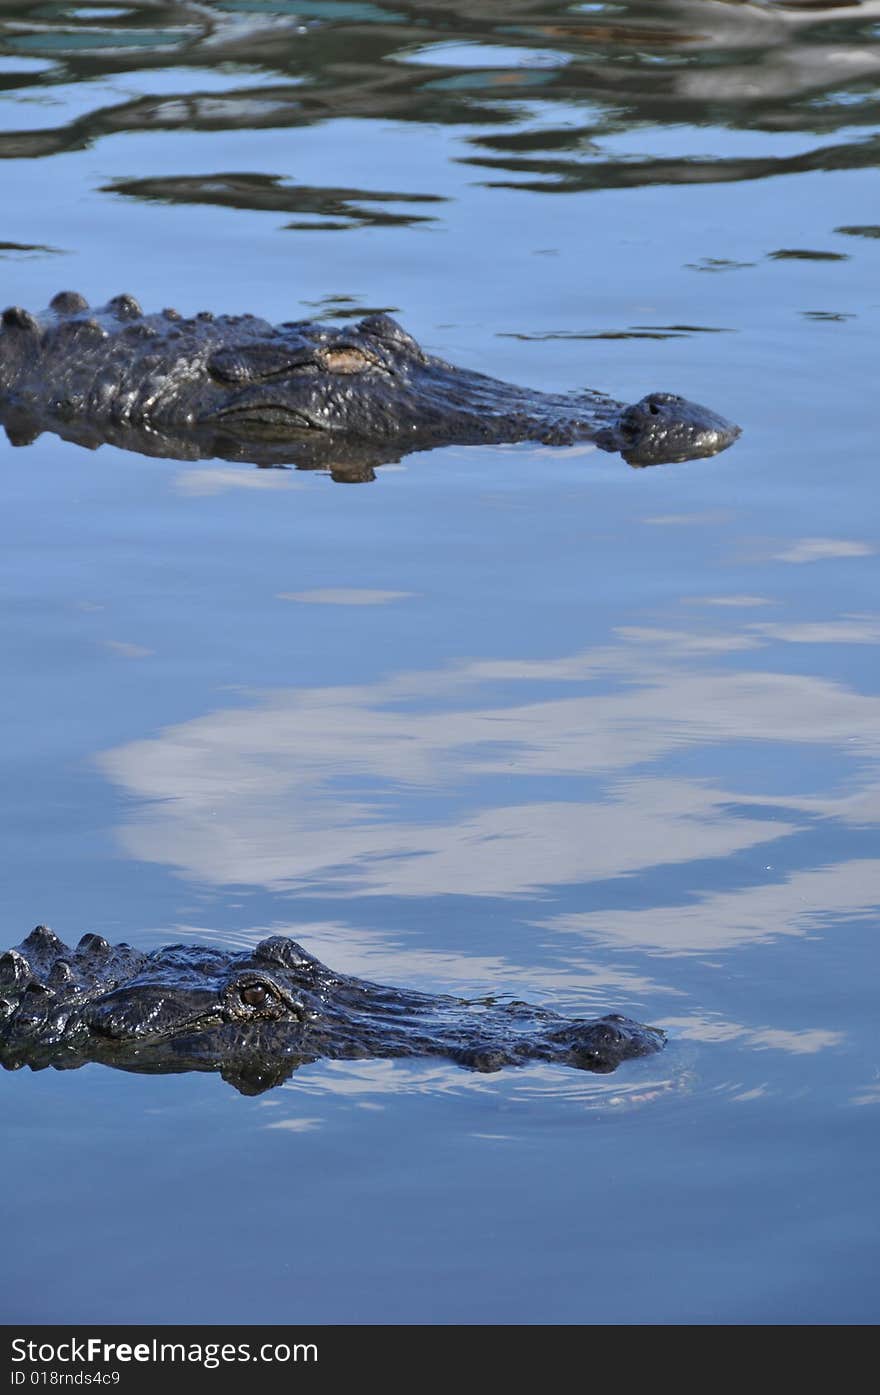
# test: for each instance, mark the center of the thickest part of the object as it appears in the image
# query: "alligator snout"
(663, 428)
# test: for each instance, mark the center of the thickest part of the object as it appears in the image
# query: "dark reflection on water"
(336, 208)
(9, 249)
(763, 68)
(511, 720)
(635, 332)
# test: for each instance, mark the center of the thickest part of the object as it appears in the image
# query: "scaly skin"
(345, 398)
(257, 1015)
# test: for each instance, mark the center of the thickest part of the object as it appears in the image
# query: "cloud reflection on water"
(429, 782)
(801, 904)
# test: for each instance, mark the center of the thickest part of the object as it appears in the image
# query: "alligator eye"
(254, 995)
(653, 409)
(251, 998)
(346, 358)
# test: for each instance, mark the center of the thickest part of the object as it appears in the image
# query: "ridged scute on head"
(278, 949)
(384, 328)
(68, 303)
(34, 1006)
(124, 307)
(83, 332)
(15, 971)
(95, 946)
(139, 330)
(42, 940)
(16, 318)
(40, 951)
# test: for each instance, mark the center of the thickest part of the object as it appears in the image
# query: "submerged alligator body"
(257, 1015)
(318, 396)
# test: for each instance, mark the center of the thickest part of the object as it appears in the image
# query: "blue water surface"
(515, 718)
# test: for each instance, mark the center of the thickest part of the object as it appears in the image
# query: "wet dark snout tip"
(663, 428)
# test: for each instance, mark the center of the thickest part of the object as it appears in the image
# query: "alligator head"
(317, 396)
(257, 1015)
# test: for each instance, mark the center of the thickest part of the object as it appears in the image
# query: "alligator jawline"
(259, 417)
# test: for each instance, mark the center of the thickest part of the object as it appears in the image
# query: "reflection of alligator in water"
(256, 1015)
(345, 398)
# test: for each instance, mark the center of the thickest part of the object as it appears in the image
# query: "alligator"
(342, 399)
(259, 1014)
